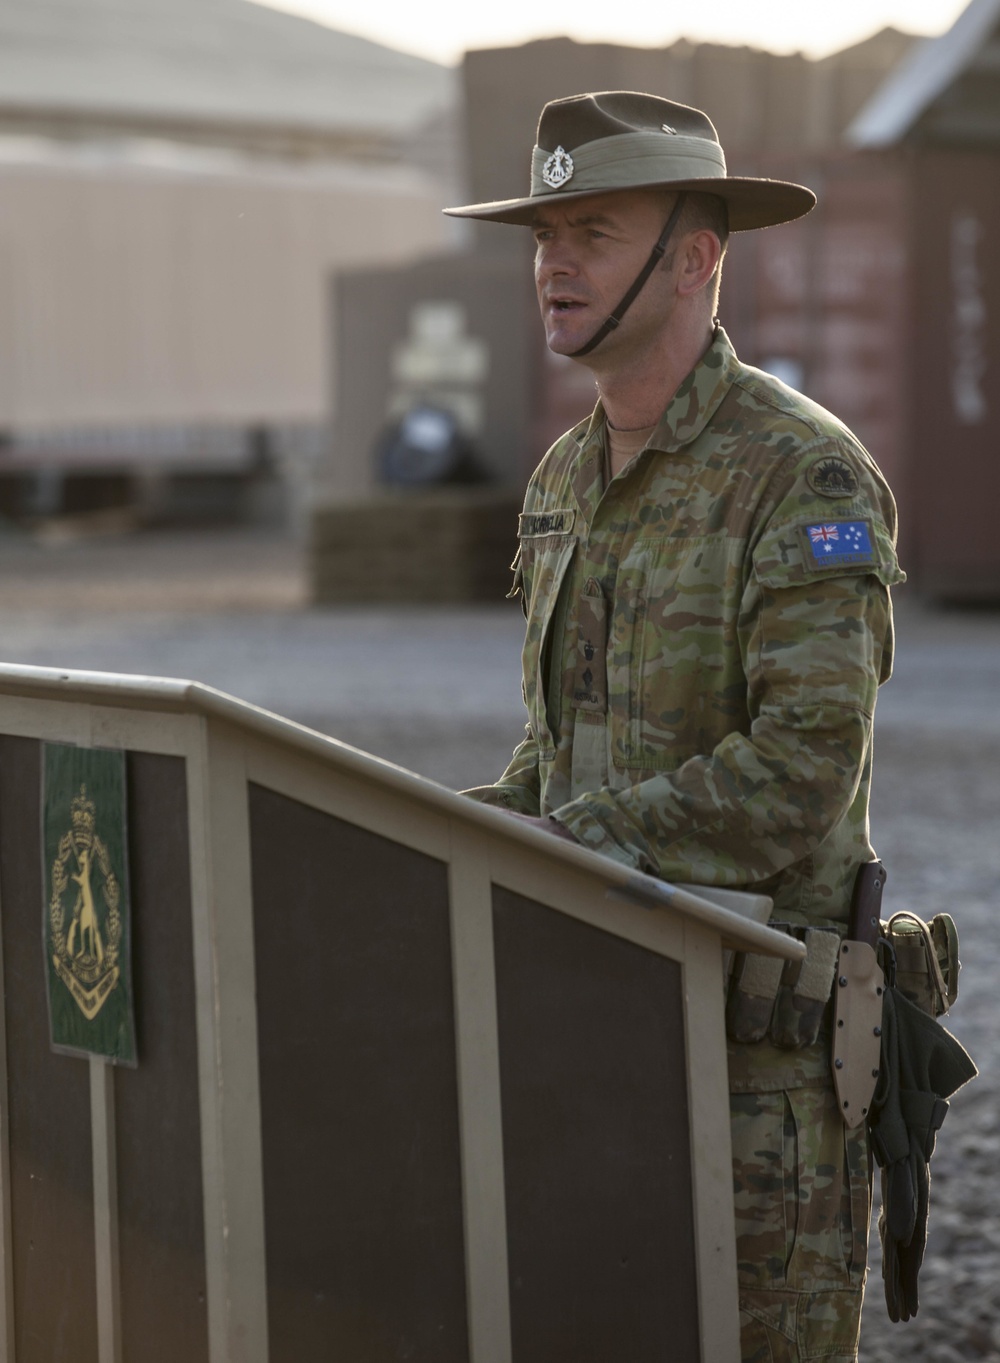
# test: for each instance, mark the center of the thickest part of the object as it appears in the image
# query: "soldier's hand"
(546, 825)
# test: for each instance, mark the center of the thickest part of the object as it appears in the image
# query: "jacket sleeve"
(519, 787)
(815, 642)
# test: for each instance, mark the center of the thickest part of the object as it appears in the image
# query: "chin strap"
(655, 257)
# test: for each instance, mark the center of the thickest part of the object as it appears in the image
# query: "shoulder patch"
(832, 477)
(536, 524)
(836, 543)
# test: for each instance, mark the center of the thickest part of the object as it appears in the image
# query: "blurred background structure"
(225, 280)
(179, 179)
(881, 304)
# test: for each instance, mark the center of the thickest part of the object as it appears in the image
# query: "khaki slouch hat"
(619, 140)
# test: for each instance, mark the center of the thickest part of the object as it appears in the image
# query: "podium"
(412, 1080)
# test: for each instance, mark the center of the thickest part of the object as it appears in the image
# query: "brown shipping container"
(956, 372)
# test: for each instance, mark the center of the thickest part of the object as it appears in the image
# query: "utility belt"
(790, 1002)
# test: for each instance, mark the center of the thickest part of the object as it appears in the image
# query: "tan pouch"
(753, 989)
(783, 1000)
(805, 991)
(926, 959)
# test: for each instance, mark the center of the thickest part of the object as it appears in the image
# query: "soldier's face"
(587, 254)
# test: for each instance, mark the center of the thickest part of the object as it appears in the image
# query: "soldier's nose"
(554, 262)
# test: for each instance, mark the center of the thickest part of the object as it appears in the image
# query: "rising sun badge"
(832, 477)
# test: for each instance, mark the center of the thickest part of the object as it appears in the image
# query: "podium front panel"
(48, 1101)
(359, 1103)
(164, 1316)
(596, 1142)
(153, 1108)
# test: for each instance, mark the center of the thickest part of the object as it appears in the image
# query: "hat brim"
(752, 202)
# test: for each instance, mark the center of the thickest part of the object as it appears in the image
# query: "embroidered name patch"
(839, 542)
(534, 524)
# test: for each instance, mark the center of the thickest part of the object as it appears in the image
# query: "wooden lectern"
(413, 1081)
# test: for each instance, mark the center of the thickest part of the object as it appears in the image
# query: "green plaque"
(86, 916)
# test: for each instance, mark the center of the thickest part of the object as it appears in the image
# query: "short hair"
(706, 212)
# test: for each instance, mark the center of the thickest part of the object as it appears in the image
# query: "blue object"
(840, 542)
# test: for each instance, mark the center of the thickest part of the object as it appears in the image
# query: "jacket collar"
(694, 404)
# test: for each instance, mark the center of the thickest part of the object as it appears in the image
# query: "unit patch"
(536, 524)
(835, 544)
(832, 477)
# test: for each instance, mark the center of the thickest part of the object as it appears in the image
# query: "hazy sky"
(442, 30)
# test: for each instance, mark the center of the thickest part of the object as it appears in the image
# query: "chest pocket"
(544, 563)
(675, 679)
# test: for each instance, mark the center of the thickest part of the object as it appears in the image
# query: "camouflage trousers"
(803, 1206)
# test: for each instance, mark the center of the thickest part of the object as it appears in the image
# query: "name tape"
(535, 524)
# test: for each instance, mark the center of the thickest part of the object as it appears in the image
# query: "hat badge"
(558, 169)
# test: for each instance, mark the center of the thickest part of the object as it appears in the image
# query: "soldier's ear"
(698, 256)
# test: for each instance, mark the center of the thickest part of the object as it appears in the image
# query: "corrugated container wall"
(824, 303)
(955, 393)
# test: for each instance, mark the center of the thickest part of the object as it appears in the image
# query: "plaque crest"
(558, 169)
(86, 926)
(86, 948)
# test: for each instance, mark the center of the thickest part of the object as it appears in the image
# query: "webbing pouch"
(924, 959)
(753, 988)
(783, 1000)
(805, 991)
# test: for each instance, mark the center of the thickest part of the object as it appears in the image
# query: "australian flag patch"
(839, 543)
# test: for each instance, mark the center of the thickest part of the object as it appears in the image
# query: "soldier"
(705, 566)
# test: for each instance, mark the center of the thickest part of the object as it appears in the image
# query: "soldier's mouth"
(566, 304)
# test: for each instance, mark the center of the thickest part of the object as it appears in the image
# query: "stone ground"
(437, 690)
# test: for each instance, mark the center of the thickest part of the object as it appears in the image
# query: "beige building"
(160, 284)
(210, 72)
(179, 181)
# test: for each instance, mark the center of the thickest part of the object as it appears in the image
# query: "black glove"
(922, 1064)
(902, 1221)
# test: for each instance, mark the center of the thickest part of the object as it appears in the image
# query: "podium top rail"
(732, 913)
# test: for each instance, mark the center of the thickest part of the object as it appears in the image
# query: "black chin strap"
(633, 293)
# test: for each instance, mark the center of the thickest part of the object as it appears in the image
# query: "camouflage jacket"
(705, 639)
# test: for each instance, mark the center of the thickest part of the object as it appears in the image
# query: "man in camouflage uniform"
(705, 566)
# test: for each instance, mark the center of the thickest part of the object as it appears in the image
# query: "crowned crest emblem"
(558, 169)
(85, 911)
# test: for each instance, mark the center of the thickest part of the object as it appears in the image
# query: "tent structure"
(220, 67)
(180, 180)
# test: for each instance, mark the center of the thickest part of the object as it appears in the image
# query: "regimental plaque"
(86, 927)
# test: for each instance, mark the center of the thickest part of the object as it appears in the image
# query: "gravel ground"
(437, 690)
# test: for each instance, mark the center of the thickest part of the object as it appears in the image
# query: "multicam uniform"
(705, 641)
